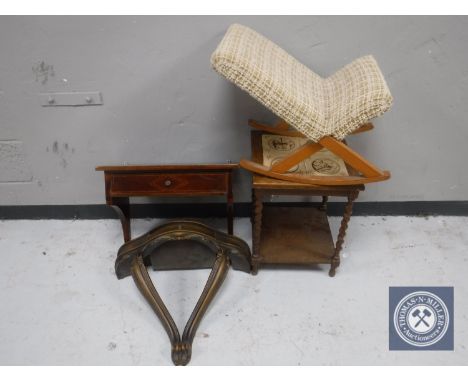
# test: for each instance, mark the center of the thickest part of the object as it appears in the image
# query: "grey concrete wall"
(164, 104)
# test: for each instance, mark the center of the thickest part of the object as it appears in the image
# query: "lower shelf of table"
(295, 235)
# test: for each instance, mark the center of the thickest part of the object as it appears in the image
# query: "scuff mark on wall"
(13, 164)
(433, 40)
(62, 150)
(43, 71)
(319, 43)
(434, 47)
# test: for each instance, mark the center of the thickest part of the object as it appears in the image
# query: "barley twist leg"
(335, 260)
(256, 230)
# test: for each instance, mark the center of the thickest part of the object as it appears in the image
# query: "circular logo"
(421, 319)
(326, 166)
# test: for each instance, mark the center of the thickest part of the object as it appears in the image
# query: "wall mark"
(43, 71)
(13, 165)
(63, 151)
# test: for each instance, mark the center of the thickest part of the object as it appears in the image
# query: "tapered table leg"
(122, 207)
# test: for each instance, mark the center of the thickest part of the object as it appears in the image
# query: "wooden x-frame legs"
(369, 172)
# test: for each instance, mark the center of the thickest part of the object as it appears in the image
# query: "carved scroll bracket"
(182, 245)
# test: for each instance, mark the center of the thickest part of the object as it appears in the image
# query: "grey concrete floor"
(61, 303)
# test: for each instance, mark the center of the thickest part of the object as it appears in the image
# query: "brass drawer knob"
(167, 182)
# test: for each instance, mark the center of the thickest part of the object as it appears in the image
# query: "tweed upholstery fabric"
(316, 106)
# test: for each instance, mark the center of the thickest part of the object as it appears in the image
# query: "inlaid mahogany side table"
(123, 182)
(295, 235)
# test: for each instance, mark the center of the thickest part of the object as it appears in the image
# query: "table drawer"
(168, 183)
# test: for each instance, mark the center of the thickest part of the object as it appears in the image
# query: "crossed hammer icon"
(417, 313)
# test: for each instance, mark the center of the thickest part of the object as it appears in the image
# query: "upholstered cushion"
(315, 106)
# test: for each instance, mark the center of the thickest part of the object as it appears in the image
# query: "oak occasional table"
(123, 182)
(295, 235)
